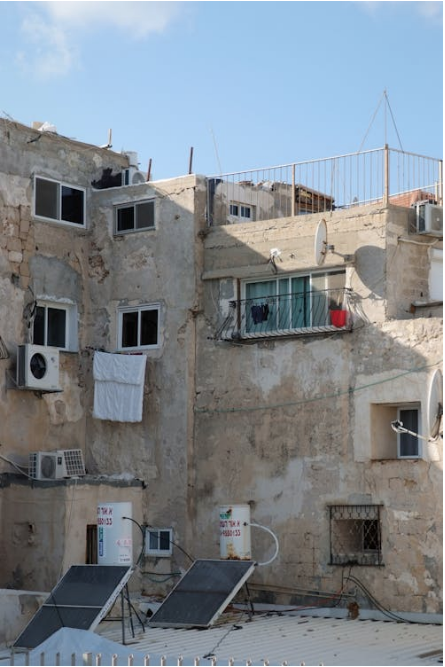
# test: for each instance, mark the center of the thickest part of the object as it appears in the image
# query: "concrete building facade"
(274, 376)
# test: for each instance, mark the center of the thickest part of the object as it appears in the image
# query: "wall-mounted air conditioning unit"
(56, 465)
(429, 219)
(46, 465)
(38, 367)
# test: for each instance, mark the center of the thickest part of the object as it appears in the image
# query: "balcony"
(292, 314)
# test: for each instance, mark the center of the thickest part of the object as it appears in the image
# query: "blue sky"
(246, 84)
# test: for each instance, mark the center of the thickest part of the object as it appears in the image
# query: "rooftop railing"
(384, 175)
(297, 313)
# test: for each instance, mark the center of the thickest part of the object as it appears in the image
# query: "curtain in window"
(260, 307)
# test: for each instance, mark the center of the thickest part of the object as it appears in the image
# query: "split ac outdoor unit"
(38, 367)
(132, 176)
(56, 465)
(429, 219)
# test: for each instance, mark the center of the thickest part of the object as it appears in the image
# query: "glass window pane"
(145, 215)
(39, 326)
(164, 540)
(47, 199)
(130, 329)
(261, 306)
(56, 334)
(319, 299)
(149, 327)
(125, 219)
(153, 539)
(72, 205)
(409, 444)
(300, 302)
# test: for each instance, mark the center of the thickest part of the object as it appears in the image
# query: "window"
(408, 444)
(241, 211)
(158, 541)
(390, 442)
(55, 325)
(139, 327)
(135, 217)
(59, 201)
(355, 535)
(436, 274)
(293, 302)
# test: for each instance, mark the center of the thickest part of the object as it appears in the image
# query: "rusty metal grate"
(355, 535)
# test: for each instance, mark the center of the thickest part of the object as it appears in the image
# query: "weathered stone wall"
(97, 271)
(44, 527)
(288, 425)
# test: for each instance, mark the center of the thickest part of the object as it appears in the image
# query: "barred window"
(355, 535)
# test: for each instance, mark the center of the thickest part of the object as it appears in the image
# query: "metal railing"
(296, 313)
(317, 186)
(89, 659)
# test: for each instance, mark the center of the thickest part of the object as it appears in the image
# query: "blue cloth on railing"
(259, 313)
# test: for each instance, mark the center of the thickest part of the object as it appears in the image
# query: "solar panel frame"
(81, 599)
(203, 593)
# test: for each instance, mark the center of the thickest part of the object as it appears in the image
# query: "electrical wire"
(321, 397)
(387, 612)
(176, 545)
(22, 472)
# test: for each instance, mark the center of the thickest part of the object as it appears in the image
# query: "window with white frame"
(135, 217)
(55, 324)
(293, 302)
(158, 542)
(396, 431)
(436, 274)
(244, 212)
(138, 327)
(59, 202)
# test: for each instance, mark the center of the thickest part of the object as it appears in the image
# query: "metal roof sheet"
(295, 638)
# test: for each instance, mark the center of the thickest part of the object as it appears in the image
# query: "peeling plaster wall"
(46, 525)
(287, 425)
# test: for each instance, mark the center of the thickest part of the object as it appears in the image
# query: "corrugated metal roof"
(295, 638)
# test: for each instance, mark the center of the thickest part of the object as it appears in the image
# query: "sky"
(245, 84)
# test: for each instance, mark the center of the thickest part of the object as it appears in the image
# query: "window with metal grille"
(355, 535)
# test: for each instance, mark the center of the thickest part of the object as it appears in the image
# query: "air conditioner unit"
(132, 176)
(38, 367)
(46, 465)
(429, 219)
(56, 465)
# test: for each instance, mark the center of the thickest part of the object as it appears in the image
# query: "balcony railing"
(317, 186)
(297, 313)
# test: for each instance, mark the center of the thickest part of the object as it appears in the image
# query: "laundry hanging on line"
(259, 313)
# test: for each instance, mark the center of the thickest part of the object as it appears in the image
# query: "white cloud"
(135, 18)
(48, 53)
(52, 31)
(430, 10)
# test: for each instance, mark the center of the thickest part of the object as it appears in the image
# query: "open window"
(138, 327)
(387, 443)
(55, 324)
(158, 542)
(135, 217)
(59, 202)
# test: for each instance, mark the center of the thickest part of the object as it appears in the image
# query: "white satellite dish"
(321, 242)
(435, 404)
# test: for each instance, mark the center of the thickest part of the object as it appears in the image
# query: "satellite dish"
(321, 242)
(435, 404)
